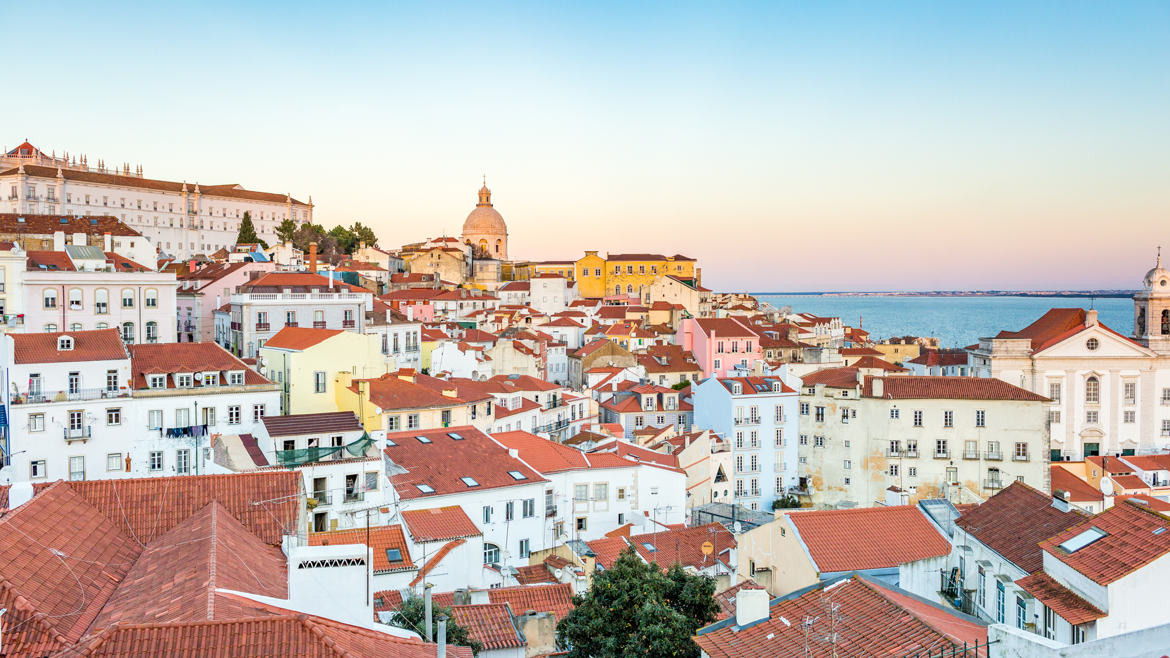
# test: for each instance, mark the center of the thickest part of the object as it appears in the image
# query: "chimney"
(330, 277)
(79, 239)
(19, 494)
(313, 257)
(59, 241)
(877, 387)
(191, 265)
(1091, 317)
(751, 606)
(107, 242)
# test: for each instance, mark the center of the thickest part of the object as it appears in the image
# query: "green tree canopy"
(286, 230)
(634, 609)
(247, 234)
(411, 615)
(362, 233)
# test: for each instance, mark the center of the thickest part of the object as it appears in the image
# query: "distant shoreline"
(1081, 294)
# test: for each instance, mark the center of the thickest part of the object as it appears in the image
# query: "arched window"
(151, 298)
(127, 298)
(1092, 390)
(1141, 322)
(152, 332)
(103, 325)
(629, 289)
(128, 333)
(499, 245)
(101, 301)
(491, 554)
(617, 290)
(1166, 322)
(75, 326)
(75, 299)
(50, 297)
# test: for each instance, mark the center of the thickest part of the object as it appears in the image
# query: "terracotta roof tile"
(556, 599)
(94, 345)
(300, 338)
(172, 358)
(298, 282)
(1134, 536)
(1063, 601)
(867, 538)
(439, 524)
(441, 464)
(726, 598)
(951, 388)
(684, 546)
(1014, 521)
(33, 224)
(607, 549)
(833, 378)
(551, 457)
(300, 424)
(491, 624)
(533, 574)
(380, 539)
(725, 328)
(1078, 490)
(430, 562)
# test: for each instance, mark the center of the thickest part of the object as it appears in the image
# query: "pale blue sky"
(788, 146)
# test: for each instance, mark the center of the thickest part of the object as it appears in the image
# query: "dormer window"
(777, 387)
(211, 379)
(64, 343)
(184, 380)
(236, 378)
(156, 381)
(736, 389)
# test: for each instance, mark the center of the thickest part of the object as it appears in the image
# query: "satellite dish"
(557, 574)
(1106, 486)
(735, 528)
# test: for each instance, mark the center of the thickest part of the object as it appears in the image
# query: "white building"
(82, 406)
(551, 293)
(180, 218)
(758, 417)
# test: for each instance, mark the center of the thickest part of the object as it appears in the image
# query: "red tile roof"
(607, 549)
(439, 524)
(533, 574)
(378, 538)
(684, 546)
(228, 190)
(756, 385)
(391, 392)
(1079, 491)
(1156, 504)
(47, 225)
(300, 338)
(95, 345)
(54, 261)
(726, 598)
(933, 358)
(833, 378)
(1135, 535)
(1159, 462)
(725, 328)
(300, 424)
(489, 623)
(297, 282)
(171, 358)
(874, 363)
(551, 457)
(950, 388)
(859, 351)
(641, 455)
(1063, 601)
(868, 537)
(556, 599)
(431, 561)
(442, 463)
(1054, 326)
(880, 622)
(1129, 482)
(215, 551)
(1014, 521)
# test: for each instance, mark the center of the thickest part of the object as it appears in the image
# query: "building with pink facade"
(203, 290)
(719, 344)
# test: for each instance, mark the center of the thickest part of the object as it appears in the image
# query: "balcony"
(318, 324)
(970, 454)
(293, 323)
(550, 512)
(890, 452)
(261, 326)
(993, 485)
(76, 395)
(911, 453)
(322, 498)
(993, 455)
(354, 496)
(942, 454)
(78, 433)
(1017, 457)
(347, 324)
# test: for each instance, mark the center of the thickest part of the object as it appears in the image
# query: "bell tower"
(1151, 309)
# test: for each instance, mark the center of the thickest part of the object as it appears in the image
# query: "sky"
(789, 146)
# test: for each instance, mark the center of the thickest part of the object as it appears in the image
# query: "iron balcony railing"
(75, 395)
(993, 455)
(77, 433)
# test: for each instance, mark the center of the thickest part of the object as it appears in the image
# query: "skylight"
(649, 546)
(517, 475)
(469, 482)
(1083, 539)
(454, 436)
(390, 443)
(422, 439)
(425, 488)
(394, 554)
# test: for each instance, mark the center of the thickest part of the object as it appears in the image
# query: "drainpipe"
(427, 606)
(441, 652)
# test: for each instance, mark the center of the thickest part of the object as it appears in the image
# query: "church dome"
(484, 220)
(1158, 279)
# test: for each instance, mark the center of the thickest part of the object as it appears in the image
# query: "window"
(290, 318)
(1000, 597)
(779, 437)
(621, 493)
(524, 549)
(1092, 390)
(150, 300)
(912, 471)
(393, 423)
(128, 332)
(1092, 344)
(1165, 427)
(76, 468)
(1054, 416)
(948, 419)
(183, 461)
(1078, 635)
(208, 415)
(127, 298)
(893, 470)
(1165, 396)
(487, 513)
(918, 418)
(509, 510)
(818, 442)
(1049, 623)
(50, 297)
(803, 439)
(152, 332)
(1129, 392)
(114, 416)
(1021, 613)
(393, 555)
(411, 421)
(114, 461)
(803, 408)
(1091, 417)
(1128, 416)
(36, 422)
(582, 524)
(895, 413)
(528, 509)
(940, 448)
(233, 414)
(819, 414)
(1054, 391)
(36, 469)
(848, 464)
(980, 418)
(319, 381)
(257, 412)
(981, 589)
(491, 554)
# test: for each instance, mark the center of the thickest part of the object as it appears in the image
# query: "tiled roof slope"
(208, 550)
(1054, 326)
(607, 549)
(551, 457)
(379, 539)
(1014, 521)
(726, 598)
(868, 538)
(489, 623)
(1063, 601)
(950, 388)
(1078, 490)
(832, 377)
(439, 524)
(300, 338)
(880, 622)
(556, 599)
(147, 508)
(1134, 536)
(94, 345)
(230, 190)
(291, 634)
(170, 358)
(442, 463)
(685, 546)
(60, 561)
(300, 424)
(50, 224)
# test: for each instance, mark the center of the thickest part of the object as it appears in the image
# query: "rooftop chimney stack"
(1091, 317)
(107, 242)
(313, 257)
(751, 606)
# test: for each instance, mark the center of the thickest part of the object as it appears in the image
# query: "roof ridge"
(877, 590)
(211, 558)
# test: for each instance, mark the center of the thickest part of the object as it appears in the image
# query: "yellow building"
(400, 401)
(565, 268)
(450, 263)
(626, 274)
(306, 361)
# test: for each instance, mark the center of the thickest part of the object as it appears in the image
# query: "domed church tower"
(1151, 309)
(485, 230)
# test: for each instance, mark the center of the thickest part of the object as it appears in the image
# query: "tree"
(411, 615)
(364, 234)
(247, 234)
(286, 230)
(635, 609)
(346, 241)
(786, 502)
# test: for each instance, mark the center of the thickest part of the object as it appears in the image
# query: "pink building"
(418, 304)
(206, 289)
(719, 344)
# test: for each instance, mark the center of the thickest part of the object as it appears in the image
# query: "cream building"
(1110, 393)
(305, 362)
(673, 290)
(894, 440)
(485, 230)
